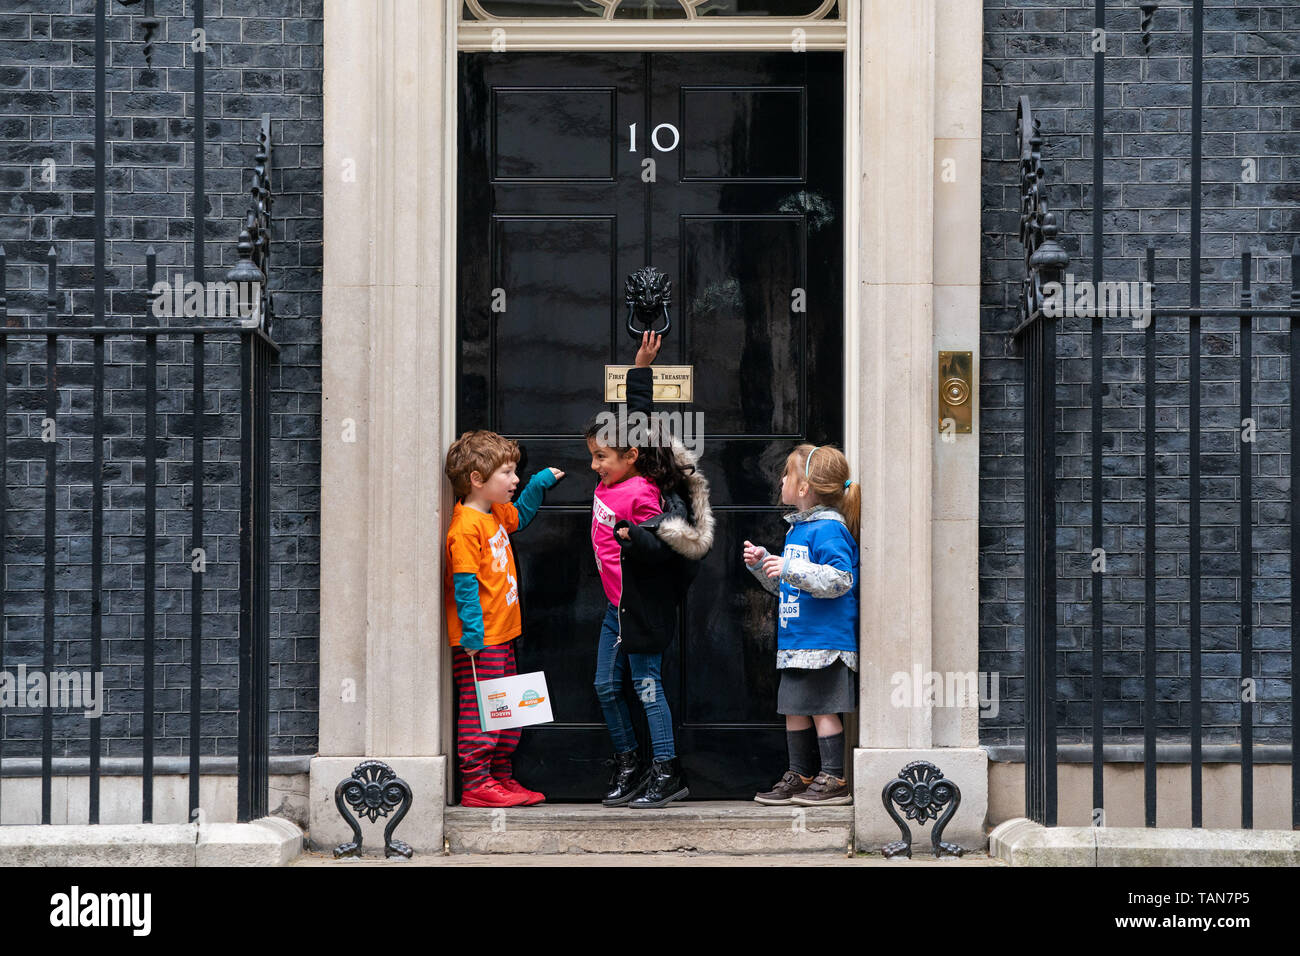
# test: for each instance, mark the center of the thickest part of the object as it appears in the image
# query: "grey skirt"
(826, 690)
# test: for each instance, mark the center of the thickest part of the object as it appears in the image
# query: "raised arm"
(640, 379)
(640, 391)
(530, 499)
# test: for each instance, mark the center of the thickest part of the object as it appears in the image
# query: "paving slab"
(270, 841)
(1022, 842)
(704, 826)
(315, 859)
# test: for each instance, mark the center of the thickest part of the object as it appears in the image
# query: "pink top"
(633, 499)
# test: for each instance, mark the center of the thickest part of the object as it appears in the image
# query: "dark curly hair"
(655, 459)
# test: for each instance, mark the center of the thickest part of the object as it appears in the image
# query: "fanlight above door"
(652, 9)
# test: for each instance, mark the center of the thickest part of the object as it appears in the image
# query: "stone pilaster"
(916, 60)
(896, 341)
(955, 492)
(387, 69)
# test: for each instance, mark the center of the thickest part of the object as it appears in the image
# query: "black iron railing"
(1045, 262)
(257, 351)
(249, 280)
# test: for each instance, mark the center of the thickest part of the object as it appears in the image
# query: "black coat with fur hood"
(662, 554)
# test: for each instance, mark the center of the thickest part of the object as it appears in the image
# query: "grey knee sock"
(802, 745)
(832, 750)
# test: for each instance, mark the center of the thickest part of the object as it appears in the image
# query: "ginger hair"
(481, 451)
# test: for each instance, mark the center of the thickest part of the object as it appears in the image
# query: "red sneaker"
(531, 797)
(490, 793)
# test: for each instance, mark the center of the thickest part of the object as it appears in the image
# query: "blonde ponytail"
(827, 473)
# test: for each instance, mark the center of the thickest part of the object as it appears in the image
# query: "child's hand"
(754, 553)
(650, 343)
(772, 565)
(623, 533)
(557, 473)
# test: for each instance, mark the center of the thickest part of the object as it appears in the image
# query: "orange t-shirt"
(479, 544)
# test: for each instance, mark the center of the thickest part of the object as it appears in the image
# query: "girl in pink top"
(642, 537)
(622, 495)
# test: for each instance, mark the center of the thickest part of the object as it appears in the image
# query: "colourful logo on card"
(498, 708)
(531, 699)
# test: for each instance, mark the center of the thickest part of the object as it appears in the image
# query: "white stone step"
(703, 827)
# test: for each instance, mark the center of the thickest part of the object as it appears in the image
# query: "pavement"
(318, 859)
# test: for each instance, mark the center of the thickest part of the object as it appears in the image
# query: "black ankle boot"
(666, 784)
(627, 779)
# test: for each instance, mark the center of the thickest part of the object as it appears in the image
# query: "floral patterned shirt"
(815, 660)
(818, 579)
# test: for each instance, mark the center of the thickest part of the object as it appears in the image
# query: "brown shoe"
(790, 785)
(825, 791)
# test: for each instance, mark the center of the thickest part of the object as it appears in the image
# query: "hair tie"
(847, 482)
(808, 461)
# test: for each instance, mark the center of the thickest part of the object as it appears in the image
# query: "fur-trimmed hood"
(686, 524)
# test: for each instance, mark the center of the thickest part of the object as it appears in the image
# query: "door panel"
(718, 133)
(737, 274)
(576, 124)
(560, 269)
(554, 212)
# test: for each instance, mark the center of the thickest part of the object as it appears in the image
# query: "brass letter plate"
(955, 398)
(672, 383)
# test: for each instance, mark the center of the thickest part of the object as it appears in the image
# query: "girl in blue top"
(815, 579)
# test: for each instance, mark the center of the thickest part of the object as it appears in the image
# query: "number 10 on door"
(654, 137)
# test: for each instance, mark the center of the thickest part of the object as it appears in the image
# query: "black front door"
(742, 208)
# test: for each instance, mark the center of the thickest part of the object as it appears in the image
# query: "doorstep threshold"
(704, 811)
(703, 826)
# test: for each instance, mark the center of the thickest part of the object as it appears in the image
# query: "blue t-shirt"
(813, 623)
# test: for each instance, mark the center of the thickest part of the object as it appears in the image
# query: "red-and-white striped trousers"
(481, 754)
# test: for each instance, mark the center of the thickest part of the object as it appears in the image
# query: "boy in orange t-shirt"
(481, 593)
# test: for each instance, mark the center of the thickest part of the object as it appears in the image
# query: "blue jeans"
(612, 662)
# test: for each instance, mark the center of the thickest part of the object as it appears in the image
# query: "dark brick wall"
(1251, 110)
(261, 57)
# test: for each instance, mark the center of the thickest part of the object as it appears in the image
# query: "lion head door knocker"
(648, 294)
